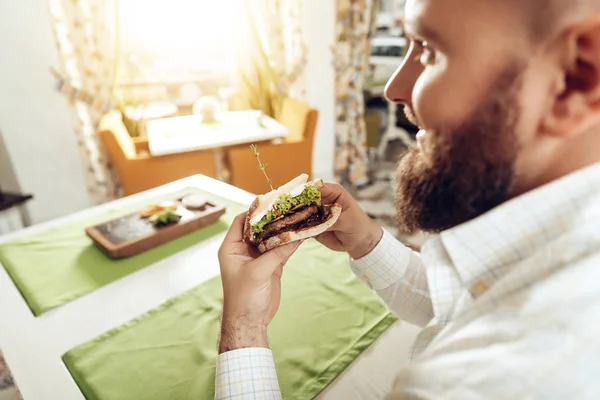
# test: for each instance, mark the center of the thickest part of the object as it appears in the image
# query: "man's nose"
(400, 86)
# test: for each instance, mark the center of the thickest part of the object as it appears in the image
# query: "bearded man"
(506, 173)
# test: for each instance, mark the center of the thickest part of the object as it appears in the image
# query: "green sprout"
(261, 166)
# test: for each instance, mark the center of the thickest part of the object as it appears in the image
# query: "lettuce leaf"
(285, 203)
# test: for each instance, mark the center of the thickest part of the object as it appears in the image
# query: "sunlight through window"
(162, 41)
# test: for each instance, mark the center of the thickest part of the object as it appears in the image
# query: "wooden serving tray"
(131, 234)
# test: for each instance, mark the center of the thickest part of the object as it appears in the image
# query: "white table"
(182, 134)
(33, 346)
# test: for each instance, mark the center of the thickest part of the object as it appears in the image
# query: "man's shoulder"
(558, 293)
(556, 288)
(564, 273)
(532, 306)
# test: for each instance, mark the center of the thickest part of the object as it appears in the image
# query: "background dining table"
(33, 346)
(182, 134)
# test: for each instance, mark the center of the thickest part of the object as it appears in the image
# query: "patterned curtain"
(271, 54)
(85, 75)
(354, 27)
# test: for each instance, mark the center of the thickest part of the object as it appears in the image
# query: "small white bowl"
(194, 201)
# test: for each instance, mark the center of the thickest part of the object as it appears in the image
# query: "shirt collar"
(484, 249)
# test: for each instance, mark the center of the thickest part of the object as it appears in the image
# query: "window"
(396, 51)
(387, 51)
(377, 50)
(175, 40)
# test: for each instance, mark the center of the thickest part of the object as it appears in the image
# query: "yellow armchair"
(137, 169)
(285, 159)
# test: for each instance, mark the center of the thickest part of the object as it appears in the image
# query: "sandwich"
(287, 214)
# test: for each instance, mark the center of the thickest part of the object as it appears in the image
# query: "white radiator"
(10, 220)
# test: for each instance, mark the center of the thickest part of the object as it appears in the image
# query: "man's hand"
(354, 232)
(251, 288)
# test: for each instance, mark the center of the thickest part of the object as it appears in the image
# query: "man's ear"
(576, 105)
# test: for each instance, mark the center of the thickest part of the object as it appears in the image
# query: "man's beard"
(463, 172)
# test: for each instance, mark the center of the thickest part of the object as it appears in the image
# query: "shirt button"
(479, 288)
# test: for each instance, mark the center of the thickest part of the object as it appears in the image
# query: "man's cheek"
(444, 100)
(434, 103)
(534, 102)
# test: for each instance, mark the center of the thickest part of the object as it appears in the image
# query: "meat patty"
(291, 219)
(300, 219)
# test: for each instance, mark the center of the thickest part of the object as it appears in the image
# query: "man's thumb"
(276, 257)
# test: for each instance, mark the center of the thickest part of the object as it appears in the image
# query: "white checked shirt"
(510, 302)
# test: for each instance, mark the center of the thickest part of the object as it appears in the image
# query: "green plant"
(261, 166)
(260, 88)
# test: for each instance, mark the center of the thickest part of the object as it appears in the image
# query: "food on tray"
(194, 201)
(161, 214)
(150, 210)
(165, 217)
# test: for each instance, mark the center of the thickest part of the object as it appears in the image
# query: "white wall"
(319, 28)
(34, 120)
(37, 126)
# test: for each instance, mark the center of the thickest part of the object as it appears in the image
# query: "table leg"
(392, 132)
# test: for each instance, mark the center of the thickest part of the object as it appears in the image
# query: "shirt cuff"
(247, 373)
(384, 265)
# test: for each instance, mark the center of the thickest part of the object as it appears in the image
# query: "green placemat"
(326, 319)
(57, 266)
